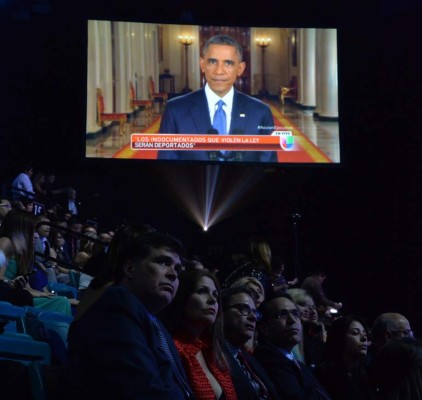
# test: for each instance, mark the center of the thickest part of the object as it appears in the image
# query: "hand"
(338, 306)
(19, 282)
(293, 282)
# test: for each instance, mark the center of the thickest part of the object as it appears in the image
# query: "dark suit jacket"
(189, 114)
(290, 382)
(242, 384)
(115, 353)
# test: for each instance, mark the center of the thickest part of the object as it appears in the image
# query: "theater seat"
(33, 355)
(103, 117)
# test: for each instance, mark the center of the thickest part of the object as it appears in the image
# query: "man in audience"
(387, 327)
(313, 285)
(118, 349)
(279, 331)
(240, 316)
(22, 184)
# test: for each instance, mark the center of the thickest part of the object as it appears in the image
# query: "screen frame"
(277, 165)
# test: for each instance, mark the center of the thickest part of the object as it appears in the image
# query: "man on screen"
(218, 108)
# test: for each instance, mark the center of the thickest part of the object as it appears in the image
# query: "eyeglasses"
(283, 314)
(404, 332)
(245, 310)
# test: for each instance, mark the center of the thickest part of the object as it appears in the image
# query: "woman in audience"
(18, 228)
(254, 285)
(311, 349)
(194, 319)
(342, 372)
(397, 370)
(279, 281)
(257, 264)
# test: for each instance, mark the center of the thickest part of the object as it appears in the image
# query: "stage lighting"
(205, 228)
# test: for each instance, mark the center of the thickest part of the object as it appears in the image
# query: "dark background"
(360, 221)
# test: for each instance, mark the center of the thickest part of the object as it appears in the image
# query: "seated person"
(398, 370)
(342, 371)
(279, 331)
(311, 348)
(240, 317)
(194, 320)
(117, 348)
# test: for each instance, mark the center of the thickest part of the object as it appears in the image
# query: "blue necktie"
(219, 121)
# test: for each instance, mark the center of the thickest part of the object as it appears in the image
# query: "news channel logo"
(287, 140)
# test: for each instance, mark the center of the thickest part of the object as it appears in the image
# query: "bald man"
(390, 326)
(386, 328)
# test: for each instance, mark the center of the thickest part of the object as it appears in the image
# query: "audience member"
(117, 348)
(313, 285)
(258, 294)
(310, 350)
(69, 204)
(240, 316)
(14, 242)
(38, 183)
(20, 224)
(105, 277)
(193, 262)
(256, 263)
(255, 287)
(5, 207)
(195, 321)
(386, 328)
(343, 372)
(279, 331)
(22, 184)
(389, 326)
(398, 370)
(279, 282)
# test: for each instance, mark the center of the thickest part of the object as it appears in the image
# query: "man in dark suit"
(240, 315)
(279, 331)
(118, 349)
(200, 112)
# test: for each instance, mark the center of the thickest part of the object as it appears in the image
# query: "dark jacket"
(242, 383)
(189, 114)
(115, 353)
(290, 382)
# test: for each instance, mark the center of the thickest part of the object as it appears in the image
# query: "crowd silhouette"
(147, 318)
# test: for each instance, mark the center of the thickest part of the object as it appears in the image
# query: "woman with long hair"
(194, 319)
(343, 372)
(17, 234)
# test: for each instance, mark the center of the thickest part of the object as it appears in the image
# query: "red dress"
(188, 347)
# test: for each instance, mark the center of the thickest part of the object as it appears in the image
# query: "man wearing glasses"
(279, 331)
(240, 317)
(388, 327)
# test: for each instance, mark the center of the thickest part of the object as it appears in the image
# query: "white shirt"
(212, 100)
(22, 181)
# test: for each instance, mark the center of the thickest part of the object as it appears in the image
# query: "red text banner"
(205, 142)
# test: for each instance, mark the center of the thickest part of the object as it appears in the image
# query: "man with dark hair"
(240, 315)
(279, 331)
(118, 349)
